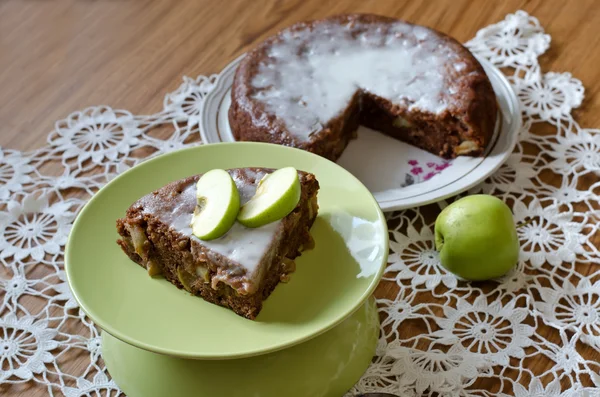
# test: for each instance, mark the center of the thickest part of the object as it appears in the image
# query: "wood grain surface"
(61, 56)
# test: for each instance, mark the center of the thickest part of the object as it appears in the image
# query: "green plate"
(330, 283)
(325, 366)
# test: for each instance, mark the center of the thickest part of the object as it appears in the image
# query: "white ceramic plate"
(399, 175)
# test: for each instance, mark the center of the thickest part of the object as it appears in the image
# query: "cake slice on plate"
(237, 270)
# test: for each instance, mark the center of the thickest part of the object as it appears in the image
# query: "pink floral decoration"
(416, 170)
(429, 176)
(442, 166)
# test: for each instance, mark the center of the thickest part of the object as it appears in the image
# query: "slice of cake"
(312, 84)
(237, 270)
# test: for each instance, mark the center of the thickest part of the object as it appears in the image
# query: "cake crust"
(464, 126)
(154, 241)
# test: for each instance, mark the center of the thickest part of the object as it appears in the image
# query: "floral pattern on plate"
(423, 172)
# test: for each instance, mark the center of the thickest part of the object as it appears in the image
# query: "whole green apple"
(477, 238)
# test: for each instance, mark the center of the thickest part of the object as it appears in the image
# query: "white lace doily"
(530, 333)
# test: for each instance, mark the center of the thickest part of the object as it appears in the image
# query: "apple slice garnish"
(218, 205)
(276, 196)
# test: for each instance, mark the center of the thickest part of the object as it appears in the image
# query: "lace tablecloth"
(528, 334)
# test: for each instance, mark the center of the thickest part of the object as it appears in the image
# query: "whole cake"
(237, 270)
(312, 84)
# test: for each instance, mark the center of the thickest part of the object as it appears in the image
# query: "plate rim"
(221, 88)
(92, 314)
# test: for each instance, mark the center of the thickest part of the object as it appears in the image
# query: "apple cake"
(238, 270)
(311, 85)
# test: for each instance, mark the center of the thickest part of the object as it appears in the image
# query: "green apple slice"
(218, 205)
(276, 196)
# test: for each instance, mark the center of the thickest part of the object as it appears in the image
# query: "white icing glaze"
(246, 190)
(245, 246)
(310, 76)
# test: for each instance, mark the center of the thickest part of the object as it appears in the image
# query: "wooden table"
(61, 56)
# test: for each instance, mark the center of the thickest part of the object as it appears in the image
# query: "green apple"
(477, 238)
(277, 194)
(218, 205)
